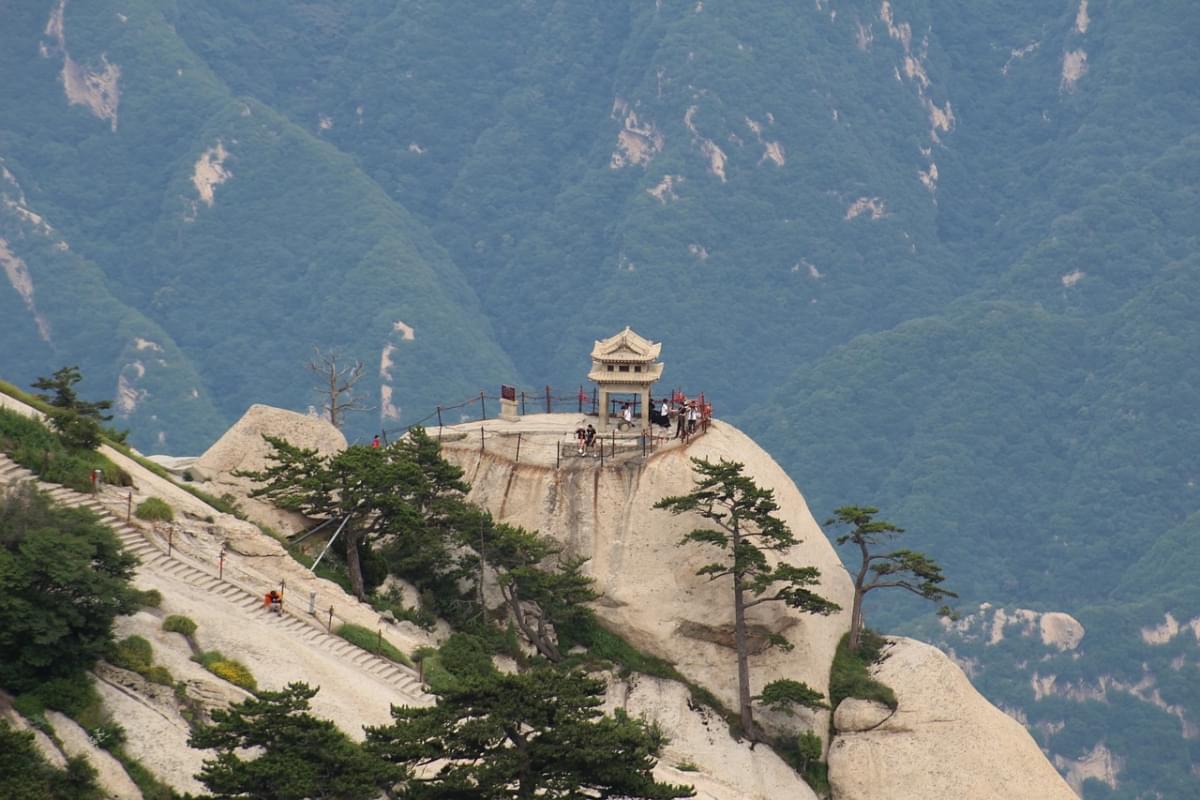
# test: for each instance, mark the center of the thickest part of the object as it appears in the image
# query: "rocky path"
(178, 567)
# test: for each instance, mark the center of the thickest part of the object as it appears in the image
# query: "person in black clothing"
(590, 439)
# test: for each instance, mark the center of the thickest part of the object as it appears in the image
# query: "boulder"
(242, 447)
(944, 740)
(854, 715)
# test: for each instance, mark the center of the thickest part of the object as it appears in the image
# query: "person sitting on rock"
(580, 439)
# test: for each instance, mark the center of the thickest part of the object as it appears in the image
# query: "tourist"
(581, 438)
(681, 419)
(590, 441)
(626, 416)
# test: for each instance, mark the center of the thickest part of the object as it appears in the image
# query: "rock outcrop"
(242, 448)
(651, 592)
(944, 739)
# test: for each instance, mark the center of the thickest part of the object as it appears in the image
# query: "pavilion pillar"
(603, 409)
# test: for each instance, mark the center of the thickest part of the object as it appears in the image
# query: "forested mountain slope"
(940, 257)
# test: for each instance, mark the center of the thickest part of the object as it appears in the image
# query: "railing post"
(558, 455)
(581, 396)
(482, 406)
(518, 448)
(595, 399)
(481, 438)
(522, 403)
(643, 444)
(439, 413)
(548, 409)
(329, 627)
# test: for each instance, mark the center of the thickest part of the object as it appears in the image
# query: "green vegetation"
(372, 642)
(25, 774)
(899, 569)
(34, 446)
(298, 755)
(147, 598)
(540, 731)
(850, 675)
(1000, 352)
(743, 528)
(134, 653)
(228, 669)
(177, 623)
(63, 579)
(154, 509)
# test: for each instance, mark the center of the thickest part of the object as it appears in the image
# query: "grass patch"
(602, 643)
(687, 766)
(433, 671)
(37, 448)
(228, 669)
(26, 398)
(132, 653)
(148, 598)
(136, 655)
(372, 642)
(177, 623)
(155, 510)
(225, 504)
(151, 787)
(850, 675)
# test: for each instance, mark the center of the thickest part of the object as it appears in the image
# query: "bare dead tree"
(336, 383)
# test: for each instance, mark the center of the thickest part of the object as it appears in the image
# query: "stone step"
(153, 557)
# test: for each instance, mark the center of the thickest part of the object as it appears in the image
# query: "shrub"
(370, 641)
(160, 675)
(133, 653)
(34, 446)
(108, 735)
(150, 598)
(70, 695)
(76, 431)
(228, 669)
(177, 623)
(687, 766)
(850, 675)
(154, 509)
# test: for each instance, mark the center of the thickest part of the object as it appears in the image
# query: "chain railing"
(609, 447)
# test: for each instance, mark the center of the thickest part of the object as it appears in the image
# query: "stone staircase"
(179, 567)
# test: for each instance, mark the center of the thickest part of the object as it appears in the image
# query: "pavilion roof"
(626, 348)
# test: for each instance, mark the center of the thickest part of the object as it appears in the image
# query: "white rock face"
(944, 741)
(725, 769)
(855, 716)
(652, 594)
(242, 447)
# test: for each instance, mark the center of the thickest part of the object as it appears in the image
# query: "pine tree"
(297, 755)
(744, 528)
(536, 734)
(900, 569)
